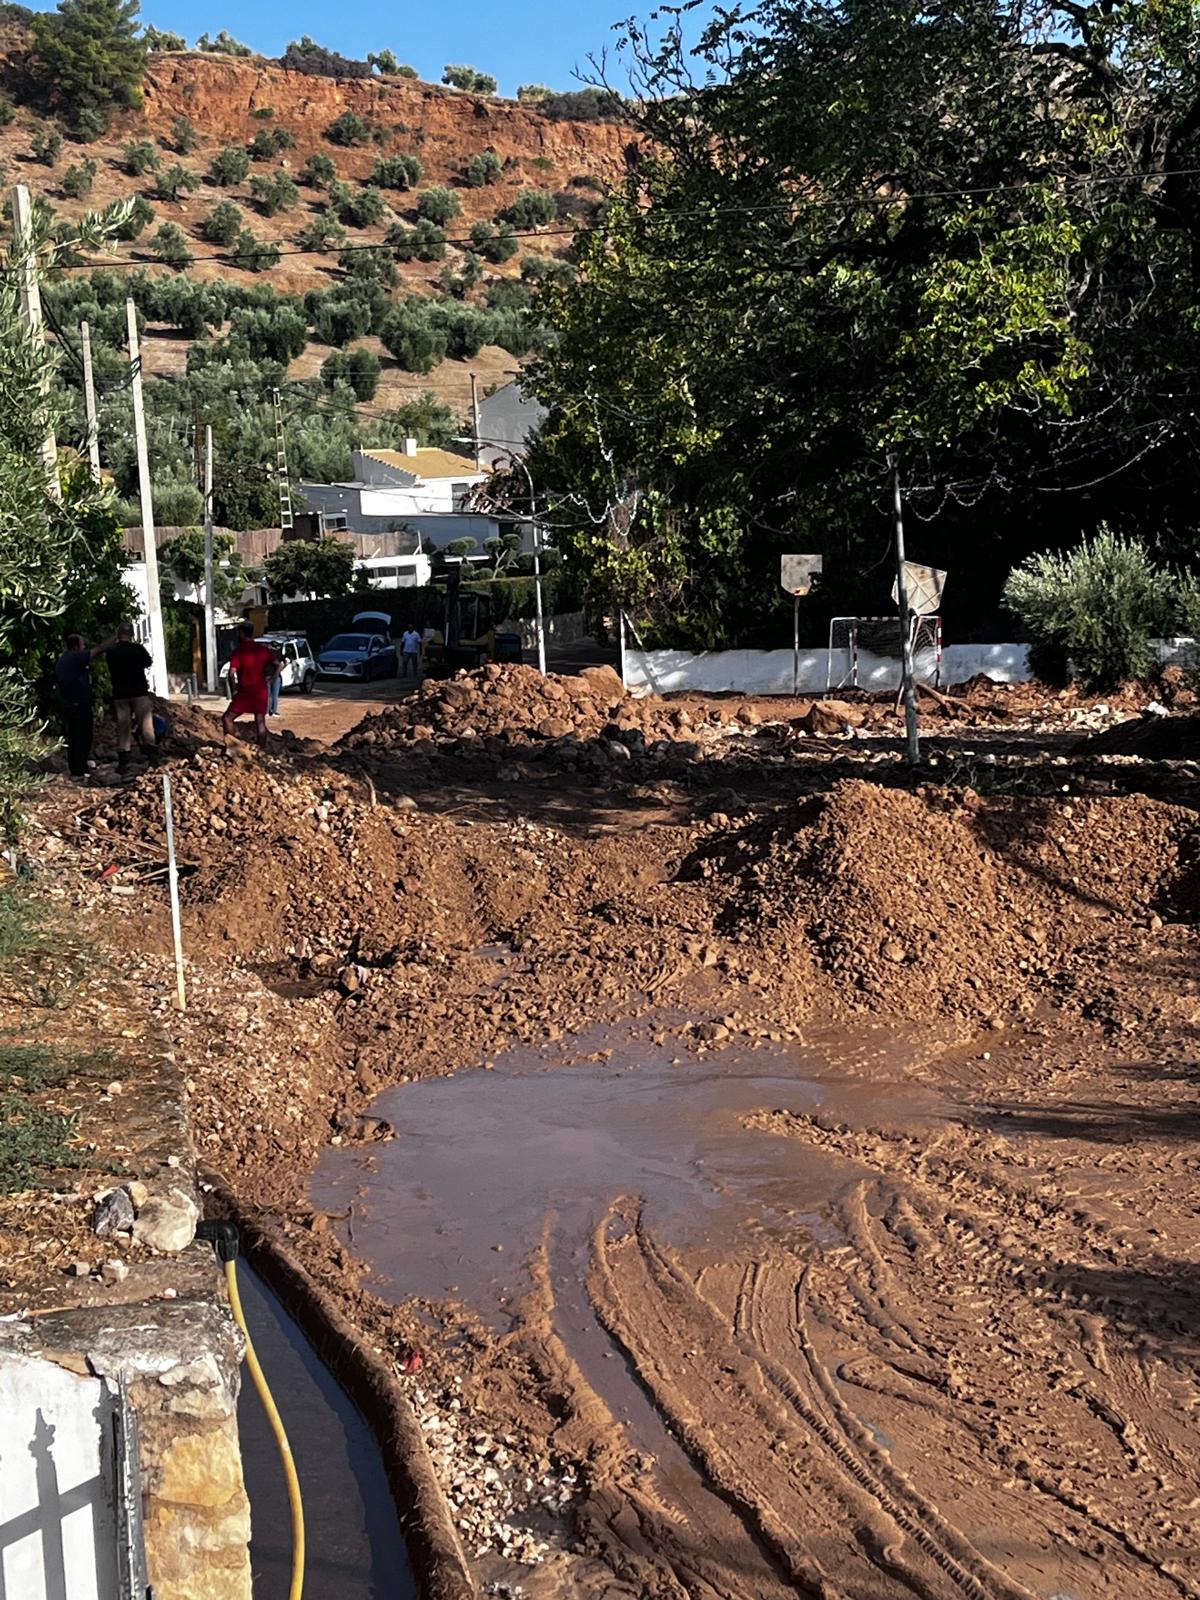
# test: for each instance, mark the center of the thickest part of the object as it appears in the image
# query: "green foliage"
(359, 369)
(1100, 604)
(484, 168)
(46, 146)
(268, 142)
(469, 79)
(184, 557)
(305, 55)
(253, 254)
(377, 264)
(458, 285)
(185, 136)
(139, 156)
(88, 57)
(423, 242)
(161, 39)
(223, 223)
(412, 339)
(384, 61)
(35, 1143)
(8, 111)
(348, 129)
(77, 181)
(583, 105)
(170, 245)
(494, 244)
(229, 167)
(358, 208)
(438, 205)
(223, 45)
(405, 71)
(318, 172)
(322, 232)
(138, 219)
(532, 208)
(170, 182)
(263, 113)
(396, 172)
(530, 93)
(274, 194)
(317, 568)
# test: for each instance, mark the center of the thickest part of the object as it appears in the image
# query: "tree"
(469, 79)
(359, 369)
(253, 254)
(359, 208)
(348, 129)
(415, 343)
(175, 180)
(46, 146)
(274, 194)
(842, 249)
(183, 556)
(438, 205)
(318, 172)
(160, 39)
(532, 208)
(229, 167)
(424, 242)
(397, 172)
(223, 45)
(138, 218)
(484, 168)
(223, 223)
(314, 569)
(531, 93)
(322, 232)
(185, 136)
(171, 246)
(494, 244)
(77, 181)
(139, 156)
(385, 61)
(88, 56)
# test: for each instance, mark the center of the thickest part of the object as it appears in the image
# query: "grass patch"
(34, 1142)
(44, 1066)
(17, 922)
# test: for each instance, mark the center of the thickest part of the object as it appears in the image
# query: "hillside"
(557, 168)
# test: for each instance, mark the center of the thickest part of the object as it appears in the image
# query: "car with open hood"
(365, 650)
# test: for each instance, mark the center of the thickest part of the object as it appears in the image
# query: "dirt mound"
(942, 902)
(1153, 737)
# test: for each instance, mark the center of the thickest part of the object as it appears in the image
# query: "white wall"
(58, 1528)
(770, 671)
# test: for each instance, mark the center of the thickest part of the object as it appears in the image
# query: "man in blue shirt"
(72, 673)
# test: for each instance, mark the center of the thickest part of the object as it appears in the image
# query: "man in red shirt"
(251, 668)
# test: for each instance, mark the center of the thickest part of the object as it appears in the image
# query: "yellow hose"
(281, 1438)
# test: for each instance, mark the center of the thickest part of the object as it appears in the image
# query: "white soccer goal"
(864, 652)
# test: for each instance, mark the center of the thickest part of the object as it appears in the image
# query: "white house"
(508, 420)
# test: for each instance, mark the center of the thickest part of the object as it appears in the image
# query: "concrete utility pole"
(907, 676)
(158, 643)
(31, 313)
(475, 417)
(210, 609)
(89, 401)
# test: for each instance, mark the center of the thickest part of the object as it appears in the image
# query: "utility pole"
(89, 401)
(31, 313)
(158, 643)
(475, 418)
(286, 520)
(907, 678)
(210, 609)
(537, 577)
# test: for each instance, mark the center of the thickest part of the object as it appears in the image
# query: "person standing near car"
(128, 663)
(72, 673)
(251, 667)
(410, 652)
(276, 683)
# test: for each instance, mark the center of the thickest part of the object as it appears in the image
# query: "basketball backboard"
(924, 587)
(796, 573)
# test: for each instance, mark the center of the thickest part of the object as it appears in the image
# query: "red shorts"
(249, 702)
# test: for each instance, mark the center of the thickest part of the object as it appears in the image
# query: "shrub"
(424, 242)
(469, 79)
(223, 45)
(533, 208)
(377, 263)
(141, 215)
(397, 172)
(405, 71)
(305, 55)
(77, 181)
(360, 369)
(175, 180)
(321, 232)
(583, 105)
(229, 167)
(263, 113)
(223, 223)
(360, 208)
(254, 255)
(274, 194)
(1099, 604)
(531, 92)
(185, 136)
(384, 60)
(483, 169)
(8, 111)
(543, 163)
(584, 180)
(159, 39)
(348, 129)
(494, 244)
(318, 172)
(439, 205)
(170, 245)
(571, 206)
(413, 341)
(139, 156)
(46, 146)
(268, 142)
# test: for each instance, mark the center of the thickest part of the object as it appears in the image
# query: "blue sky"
(533, 41)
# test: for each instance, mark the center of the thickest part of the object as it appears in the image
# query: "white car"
(297, 664)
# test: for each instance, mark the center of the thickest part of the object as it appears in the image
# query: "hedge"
(512, 599)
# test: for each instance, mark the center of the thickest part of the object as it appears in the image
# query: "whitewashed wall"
(770, 671)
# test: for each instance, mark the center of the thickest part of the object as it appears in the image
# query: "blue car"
(363, 653)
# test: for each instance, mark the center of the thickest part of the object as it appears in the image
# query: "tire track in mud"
(804, 1479)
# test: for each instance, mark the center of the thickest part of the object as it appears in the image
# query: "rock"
(616, 750)
(554, 728)
(604, 682)
(893, 950)
(113, 1214)
(79, 1269)
(826, 717)
(404, 802)
(457, 694)
(167, 1222)
(113, 1272)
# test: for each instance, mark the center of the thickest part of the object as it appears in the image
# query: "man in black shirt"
(128, 662)
(73, 676)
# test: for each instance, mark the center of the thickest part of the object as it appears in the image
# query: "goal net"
(864, 652)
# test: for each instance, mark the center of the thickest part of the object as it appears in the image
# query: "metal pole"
(621, 642)
(173, 883)
(89, 401)
(795, 645)
(475, 418)
(31, 314)
(158, 643)
(907, 681)
(210, 607)
(537, 571)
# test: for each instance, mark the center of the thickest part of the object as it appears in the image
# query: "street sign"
(796, 573)
(923, 586)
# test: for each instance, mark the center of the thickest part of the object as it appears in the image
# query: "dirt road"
(785, 1172)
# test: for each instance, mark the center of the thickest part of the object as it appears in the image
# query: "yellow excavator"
(468, 636)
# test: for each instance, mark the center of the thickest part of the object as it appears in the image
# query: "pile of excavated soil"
(943, 903)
